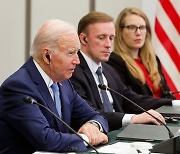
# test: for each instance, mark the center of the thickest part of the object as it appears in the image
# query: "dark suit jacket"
(128, 79)
(85, 85)
(25, 128)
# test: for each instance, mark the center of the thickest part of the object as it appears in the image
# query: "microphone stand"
(32, 101)
(104, 87)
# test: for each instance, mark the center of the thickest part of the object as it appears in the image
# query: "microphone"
(104, 87)
(30, 100)
(171, 92)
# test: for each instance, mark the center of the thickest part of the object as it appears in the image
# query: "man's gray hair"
(49, 34)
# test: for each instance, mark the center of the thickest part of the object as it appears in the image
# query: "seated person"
(134, 57)
(26, 128)
(96, 33)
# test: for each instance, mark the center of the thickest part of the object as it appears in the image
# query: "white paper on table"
(118, 148)
(126, 148)
(42, 152)
(176, 102)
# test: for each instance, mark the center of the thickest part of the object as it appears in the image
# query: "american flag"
(167, 41)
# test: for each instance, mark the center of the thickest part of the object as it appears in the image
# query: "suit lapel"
(107, 75)
(42, 88)
(91, 80)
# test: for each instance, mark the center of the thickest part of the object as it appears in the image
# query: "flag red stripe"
(171, 12)
(171, 50)
(167, 44)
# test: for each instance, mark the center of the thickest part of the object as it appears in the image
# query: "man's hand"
(94, 135)
(146, 118)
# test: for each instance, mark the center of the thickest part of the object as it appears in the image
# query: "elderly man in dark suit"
(26, 128)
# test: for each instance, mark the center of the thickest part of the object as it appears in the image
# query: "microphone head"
(28, 99)
(167, 93)
(170, 93)
(102, 87)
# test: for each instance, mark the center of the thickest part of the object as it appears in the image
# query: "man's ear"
(83, 38)
(46, 56)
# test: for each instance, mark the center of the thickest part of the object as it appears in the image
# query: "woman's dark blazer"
(120, 66)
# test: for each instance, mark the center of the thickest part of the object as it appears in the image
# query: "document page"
(127, 148)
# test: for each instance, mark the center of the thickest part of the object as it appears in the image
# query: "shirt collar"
(46, 78)
(91, 64)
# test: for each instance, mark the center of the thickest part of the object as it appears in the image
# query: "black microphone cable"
(30, 100)
(104, 87)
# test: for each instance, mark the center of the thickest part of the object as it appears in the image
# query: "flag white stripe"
(168, 27)
(176, 5)
(167, 62)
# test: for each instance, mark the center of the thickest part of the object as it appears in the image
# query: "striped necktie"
(106, 103)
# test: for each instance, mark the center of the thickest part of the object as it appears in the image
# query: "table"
(112, 135)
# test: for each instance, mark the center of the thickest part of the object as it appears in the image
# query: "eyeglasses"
(134, 28)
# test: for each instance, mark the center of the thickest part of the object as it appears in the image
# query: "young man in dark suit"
(96, 33)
